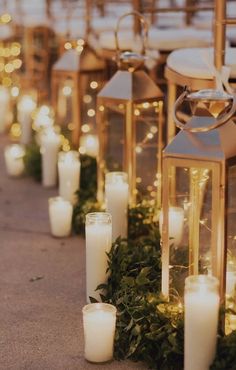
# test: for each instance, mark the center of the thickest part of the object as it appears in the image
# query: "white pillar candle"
(50, 144)
(5, 108)
(201, 321)
(69, 174)
(14, 159)
(25, 108)
(98, 236)
(99, 321)
(117, 195)
(175, 224)
(89, 145)
(60, 216)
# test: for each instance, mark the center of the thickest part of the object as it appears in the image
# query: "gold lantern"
(199, 199)
(75, 76)
(130, 117)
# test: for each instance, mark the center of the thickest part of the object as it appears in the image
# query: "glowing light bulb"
(91, 113)
(94, 85)
(138, 149)
(87, 99)
(67, 46)
(67, 90)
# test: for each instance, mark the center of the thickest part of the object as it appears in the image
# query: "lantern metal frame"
(129, 86)
(205, 142)
(73, 65)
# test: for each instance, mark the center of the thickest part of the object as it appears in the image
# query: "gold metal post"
(219, 30)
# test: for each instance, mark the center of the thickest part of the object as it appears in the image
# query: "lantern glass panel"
(64, 102)
(231, 244)
(114, 121)
(90, 85)
(148, 154)
(190, 223)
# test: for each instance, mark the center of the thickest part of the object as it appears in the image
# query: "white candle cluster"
(201, 320)
(99, 320)
(69, 175)
(14, 159)
(117, 195)
(98, 235)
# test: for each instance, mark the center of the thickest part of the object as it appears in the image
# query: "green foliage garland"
(148, 328)
(86, 195)
(32, 160)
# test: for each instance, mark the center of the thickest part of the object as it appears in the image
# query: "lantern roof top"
(215, 145)
(135, 86)
(75, 61)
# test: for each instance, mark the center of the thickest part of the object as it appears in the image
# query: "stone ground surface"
(40, 320)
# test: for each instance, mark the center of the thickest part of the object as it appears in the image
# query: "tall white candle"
(69, 175)
(98, 235)
(50, 144)
(201, 321)
(60, 216)
(175, 224)
(14, 159)
(116, 195)
(99, 321)
(5, 107)
(25, 108)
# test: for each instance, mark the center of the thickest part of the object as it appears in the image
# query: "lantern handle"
(218, 121)
(144, 32)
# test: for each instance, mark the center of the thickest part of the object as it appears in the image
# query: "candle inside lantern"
(14, 159)
(98, 235)
(201, 321)
(25, 108)
(5, 107)
(175, 225)
(69, 175)
(99, 321)
(60, 216)
(116, 195)
(50, 144)
(89, 145)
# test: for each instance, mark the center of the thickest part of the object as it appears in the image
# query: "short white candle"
(25, 108)
(89, 145)
(5, 108)
(98, 236)
(69, 174)
(116, 195)
(14, 159)
(175, 224)
(50, 144)
(60, 216)
(201, 321)
(99, 321)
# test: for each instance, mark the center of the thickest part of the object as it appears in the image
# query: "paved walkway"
(40, 320)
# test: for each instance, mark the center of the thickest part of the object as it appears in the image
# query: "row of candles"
(102, 228)
(201, 295)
